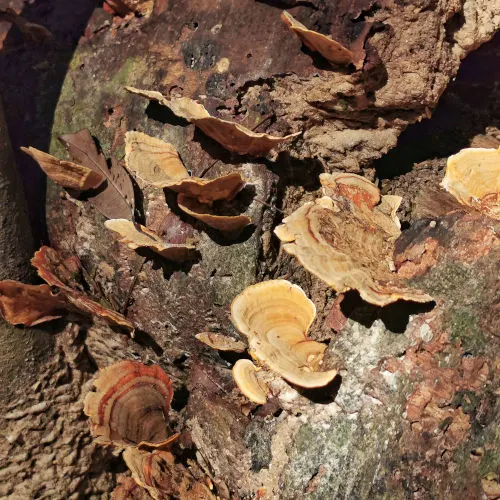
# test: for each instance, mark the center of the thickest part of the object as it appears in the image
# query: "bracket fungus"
(347, 240)
(275, 316)
(66, 173)
(245, 376)
(221, 342)
(131, 404)
(232, 136)
(136, 236)
(231, 225)
(330, 49)
(473, 178)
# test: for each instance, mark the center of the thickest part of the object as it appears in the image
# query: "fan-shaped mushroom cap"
(232, 224)
(66, 173)
(348, 247)
(207, 191)
(275, 316)
(152, 160)
(221, 342)
(136, 236)
(358, 189)
(164, 479)
(473, 178)
(232, 136)
(130, 405)
(245, 376)
(330, 49)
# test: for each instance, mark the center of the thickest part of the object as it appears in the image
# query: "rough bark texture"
(413, 414)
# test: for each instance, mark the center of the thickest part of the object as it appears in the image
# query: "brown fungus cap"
(130, 405)
(221, 342)
(136, 236)
(231, 225)
(245, 376)
(232, 136)
(152, 160)
(66, 173)
(349, 243)
(275, 316)
(473, 178)
(330, 49)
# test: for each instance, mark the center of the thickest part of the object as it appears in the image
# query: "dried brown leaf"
(229, 224)
(128, 489)
(348, 244)
(131, 404)
(136, 236)
(116, 200)
(66, 173)
(473, 178)
(221, 342)
(53, 270)
(330, 49)
(276, 316)
(232, 136)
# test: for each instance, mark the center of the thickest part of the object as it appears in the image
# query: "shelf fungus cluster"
(275, 316)
(473, 178)
(157, 163)
(129, 411)
(347, 238)
(22, 304)
(232, 136)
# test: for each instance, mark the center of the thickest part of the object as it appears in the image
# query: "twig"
(131, 288)
(258, 200)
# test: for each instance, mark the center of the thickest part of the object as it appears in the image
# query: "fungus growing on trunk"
(347, 240)
(136, 236)
(232, 136)
(130, 405)
(473, 178)
(275, 316)
(245, 376)
(66, 173)
(221, 342)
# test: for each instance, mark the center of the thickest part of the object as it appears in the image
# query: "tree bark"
(386, 428)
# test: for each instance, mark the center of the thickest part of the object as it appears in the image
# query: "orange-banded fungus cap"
(130, 405)
(275, 316)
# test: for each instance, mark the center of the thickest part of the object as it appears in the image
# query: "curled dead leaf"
(66, 173)
(128, 489)
(231, 225)
(473, 178)
(29, 305)
(136, 236)
(330, 49)
(32, 32)
(131, 404)
(221, 342)
(245, 376)
(348, 242)
(116, 200)
(51, 268)
(275, 316)
(152, 160)
(230, 135)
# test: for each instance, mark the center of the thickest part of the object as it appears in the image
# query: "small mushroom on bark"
(130, 405)
(275, 316)
(221, 342)
(245, 376)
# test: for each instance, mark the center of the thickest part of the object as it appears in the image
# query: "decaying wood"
(347, 440)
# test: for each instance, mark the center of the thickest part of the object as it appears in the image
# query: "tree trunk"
(413, 414)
